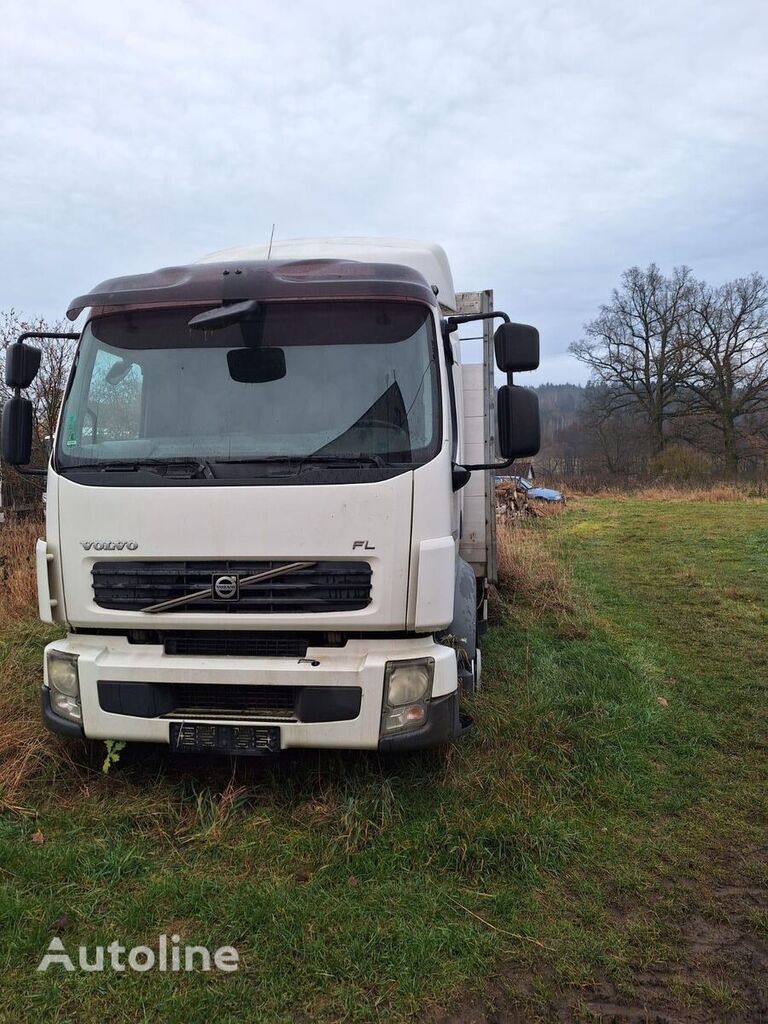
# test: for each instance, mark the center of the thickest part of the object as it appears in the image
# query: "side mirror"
(519, 432)
(17, 431)
(21, 364)
(516, 347)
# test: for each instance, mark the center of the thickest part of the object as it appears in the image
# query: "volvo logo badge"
(226, 588)
(109, 545)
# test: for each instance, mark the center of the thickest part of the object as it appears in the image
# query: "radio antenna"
(271, 238)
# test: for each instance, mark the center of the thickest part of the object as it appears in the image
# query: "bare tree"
(729, 333)
(637, 347)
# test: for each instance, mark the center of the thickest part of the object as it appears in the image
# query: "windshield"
(332, 382)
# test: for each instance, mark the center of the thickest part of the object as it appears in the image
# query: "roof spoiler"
(259, 279)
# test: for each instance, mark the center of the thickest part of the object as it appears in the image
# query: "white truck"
(270, 514)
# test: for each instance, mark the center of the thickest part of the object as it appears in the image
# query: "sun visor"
(259, 279)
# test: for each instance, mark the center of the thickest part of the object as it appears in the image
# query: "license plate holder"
(206, 738)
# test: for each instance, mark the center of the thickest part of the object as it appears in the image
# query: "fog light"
(64, 685)
(407, 689)
(411, 716)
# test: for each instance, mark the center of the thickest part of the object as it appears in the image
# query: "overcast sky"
(546, 146)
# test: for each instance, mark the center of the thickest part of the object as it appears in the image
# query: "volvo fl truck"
(270, 518)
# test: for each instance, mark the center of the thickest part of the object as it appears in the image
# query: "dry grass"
(25, 753)
(716, 491)
(27, 750)
(545, 509)
(529, 572)
(18, 593)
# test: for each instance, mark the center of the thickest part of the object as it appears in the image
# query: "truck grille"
(238, 645)
(314, 587)
(227, 701)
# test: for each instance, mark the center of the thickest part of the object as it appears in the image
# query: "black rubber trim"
(55, 722)
(442, 726)
(309, 704)
(328, 703)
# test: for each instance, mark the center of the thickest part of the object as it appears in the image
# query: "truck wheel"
(462, 633)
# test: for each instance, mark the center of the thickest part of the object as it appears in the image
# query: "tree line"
(679, 372)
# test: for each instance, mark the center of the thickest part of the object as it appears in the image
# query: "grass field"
(608, 811)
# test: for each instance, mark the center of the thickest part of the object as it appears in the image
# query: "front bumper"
(359, 663)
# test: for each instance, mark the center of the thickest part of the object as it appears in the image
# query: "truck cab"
(270, 515)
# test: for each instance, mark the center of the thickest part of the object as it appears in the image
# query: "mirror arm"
(460, 474)
(487, 465)
(467, 318)
(46, 334)
(30, 472)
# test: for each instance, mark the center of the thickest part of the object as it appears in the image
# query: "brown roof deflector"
(259, 279)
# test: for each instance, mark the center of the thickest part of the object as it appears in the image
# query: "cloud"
(547, 148)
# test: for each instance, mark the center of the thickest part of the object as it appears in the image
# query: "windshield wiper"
(300, 460)
(198, 467)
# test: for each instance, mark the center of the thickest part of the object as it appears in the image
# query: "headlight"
(406, 682)
(64, 684)
(62, 673)
(407, 689)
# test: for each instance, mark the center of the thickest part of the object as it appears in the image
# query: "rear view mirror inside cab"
(256, 365)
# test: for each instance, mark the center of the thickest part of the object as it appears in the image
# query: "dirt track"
(721, 973)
